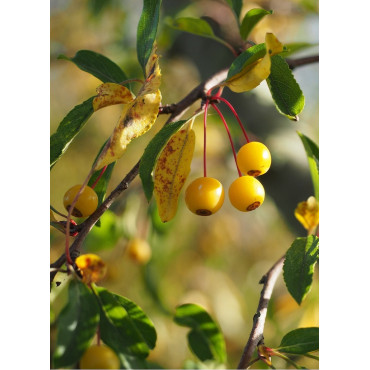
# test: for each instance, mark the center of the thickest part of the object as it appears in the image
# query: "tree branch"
(256, 336)
(293, 63)
(176, 111)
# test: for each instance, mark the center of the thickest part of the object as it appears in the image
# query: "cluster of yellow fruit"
(205, 195)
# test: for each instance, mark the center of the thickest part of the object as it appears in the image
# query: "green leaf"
(294, 47)
(151, 153)
(147, 30)
(205, 338)
(299, 266)
(312, 151)
(300, 341)
(98, 65)
(70, 126)
(104, 237)
(285, 91)
(236, 6)
(252, 17)
(77, 325)
(102, 185)
(246, 58)
(125, 327)
(195, 26)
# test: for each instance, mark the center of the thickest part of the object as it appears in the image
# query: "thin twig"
(293, 63)
(256, 336)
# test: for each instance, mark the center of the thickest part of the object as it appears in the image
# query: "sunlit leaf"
(312, 151)
(124, 326)
(246, 58)
(300, 341)
(147, 31)
(285, 91)
(98, 65)
(76, 325)
(137, 117)
(299, 266)
(92, 268)
(253, 74)
(111, 93)
(171, 172)
(252, 17)
(102, 185)
(205, 338)
(151, 153)
(70, 126)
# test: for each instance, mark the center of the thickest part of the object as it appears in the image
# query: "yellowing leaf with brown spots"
(137, 117)
(171, 171)
(111, 93)
(153, 74)
(252, 75)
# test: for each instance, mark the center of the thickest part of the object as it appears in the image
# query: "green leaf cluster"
(123, 325)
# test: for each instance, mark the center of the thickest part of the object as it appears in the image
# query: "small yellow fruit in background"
(99, 357)
(139, 250)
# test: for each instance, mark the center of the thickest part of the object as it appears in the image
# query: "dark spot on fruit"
(75, 212)
(253, 206)
(254, 173)
(203, 212)
(57, 283)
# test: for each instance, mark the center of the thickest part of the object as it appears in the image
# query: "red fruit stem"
(235, 114)
(98, 335)
(99, 177)
(205, 139)
(228, 132)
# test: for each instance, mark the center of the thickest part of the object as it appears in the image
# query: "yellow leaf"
(307, 213)
(111, 93)
(252, 75)
(153, 75)
(136, 119)
(171, 171)
(92, 268)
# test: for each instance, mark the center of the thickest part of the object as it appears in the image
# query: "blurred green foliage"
(216, 261)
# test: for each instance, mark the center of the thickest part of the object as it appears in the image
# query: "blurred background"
(215, 261)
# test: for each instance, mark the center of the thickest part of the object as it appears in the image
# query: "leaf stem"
(228, 133)
(99, 177)
(235, 114)
(287, 359)
(205, 139)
